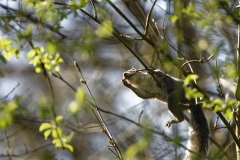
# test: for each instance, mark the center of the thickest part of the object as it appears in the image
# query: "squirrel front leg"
(140, 93)
(175, 109)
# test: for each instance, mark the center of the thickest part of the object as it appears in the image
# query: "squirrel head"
(137, 77)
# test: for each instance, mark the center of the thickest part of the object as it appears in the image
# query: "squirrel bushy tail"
(198, 140)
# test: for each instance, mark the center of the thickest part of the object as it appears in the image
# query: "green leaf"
(69, 147)
(223, 3)
(228, 113)
(51, 47)
(69, 137)
(28, 31)
(9, 53)
(3, 59)
(190, 78)
(31, 53)
(232, 102)
(190, 7)
(80, 95)
(173, 18)
(203, 44)
(73, 107)
(57, 143)
(131, 152)
(47, 133)
(45, 126)
(57, 68)
(105, 29)
(38, 69)
(57, 133)
(59, 119)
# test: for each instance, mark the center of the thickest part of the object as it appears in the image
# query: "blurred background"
(98, 35)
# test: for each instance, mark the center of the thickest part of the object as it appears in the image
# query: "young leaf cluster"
(138, 147)
(8, 49)
(59, 140)
(224, 106)
(7, 111)
(216, 104)
(39, 58)
(188, 12)
(189, 91)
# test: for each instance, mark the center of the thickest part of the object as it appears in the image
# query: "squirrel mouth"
(129, 73)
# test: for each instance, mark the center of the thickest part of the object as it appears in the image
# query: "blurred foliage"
(44, 109)
(53, 33)
(134, 151)
(8, 50)
(7, 111)
(75, 105)
(105, 29)
(189, 90)
(39, 58)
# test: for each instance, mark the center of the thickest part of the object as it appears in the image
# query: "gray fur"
(156, 84)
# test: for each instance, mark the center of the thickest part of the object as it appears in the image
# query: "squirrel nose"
(127, 74)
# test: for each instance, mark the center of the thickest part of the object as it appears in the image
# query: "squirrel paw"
(125, 83)
(168, 123)
(150, 71)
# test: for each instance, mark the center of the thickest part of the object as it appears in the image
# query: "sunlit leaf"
(59, 119)
(38, 69)
(203, 44)
(44, 126)
(105, 29)
(69, 147)
(57, 142)
(9, 53)
(80, 95)
(51, 47)
(47, 133)
(57, 68)
(69, 137)
(173, 18)
(31, 53)
(190, 78)
(57, 133)
(228, 113)
(73, 107)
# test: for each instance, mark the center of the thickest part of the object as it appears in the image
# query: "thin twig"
(53, 97)
(13, 134)
(26, 152)
(224, 152)
(139, 117)
(215, 124)
(218, 81)
(103, 124)
(223, 96)
(94, 9)
(8, 144)
(131, 24)
(198, 61)
(148, 18)
(11, 91)
(58, 75)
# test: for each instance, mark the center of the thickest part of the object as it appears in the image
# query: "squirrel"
(157, 84)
